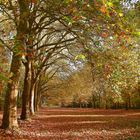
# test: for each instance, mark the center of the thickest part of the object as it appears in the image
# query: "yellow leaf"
(80, 56)
(121, 14)
(137, 33)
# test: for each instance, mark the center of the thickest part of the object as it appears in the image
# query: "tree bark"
(32, 89)
(32, 96)
(36, 107)
(129, 101)
(10, 106)
(26, 91)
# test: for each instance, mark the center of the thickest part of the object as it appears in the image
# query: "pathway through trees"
(78, 124)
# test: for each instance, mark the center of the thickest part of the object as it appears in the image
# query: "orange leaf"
(103, 9)
(104, 35)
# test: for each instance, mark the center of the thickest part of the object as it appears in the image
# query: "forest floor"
(78, 124)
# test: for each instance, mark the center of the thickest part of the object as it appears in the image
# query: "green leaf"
(110, 4)
(68, 20)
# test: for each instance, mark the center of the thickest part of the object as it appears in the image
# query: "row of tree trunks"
(30, 96)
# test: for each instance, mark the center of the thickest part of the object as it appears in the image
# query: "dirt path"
(78, 124)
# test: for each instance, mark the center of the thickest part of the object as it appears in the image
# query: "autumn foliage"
(73, 54)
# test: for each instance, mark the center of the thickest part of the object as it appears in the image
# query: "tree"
(10, 107)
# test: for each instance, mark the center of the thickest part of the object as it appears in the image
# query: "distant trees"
(108, 84)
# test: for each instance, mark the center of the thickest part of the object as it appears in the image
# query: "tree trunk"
(10, 106)
(38, 95)
(129, 101)
(126, 105)
(32, 95)
(32, 90)
(36, 102)
(26, 91)
(39, 99)
(99, 102)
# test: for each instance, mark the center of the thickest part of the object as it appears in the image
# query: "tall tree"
(10, 106)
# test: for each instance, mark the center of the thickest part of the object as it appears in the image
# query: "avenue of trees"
(71, 53)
